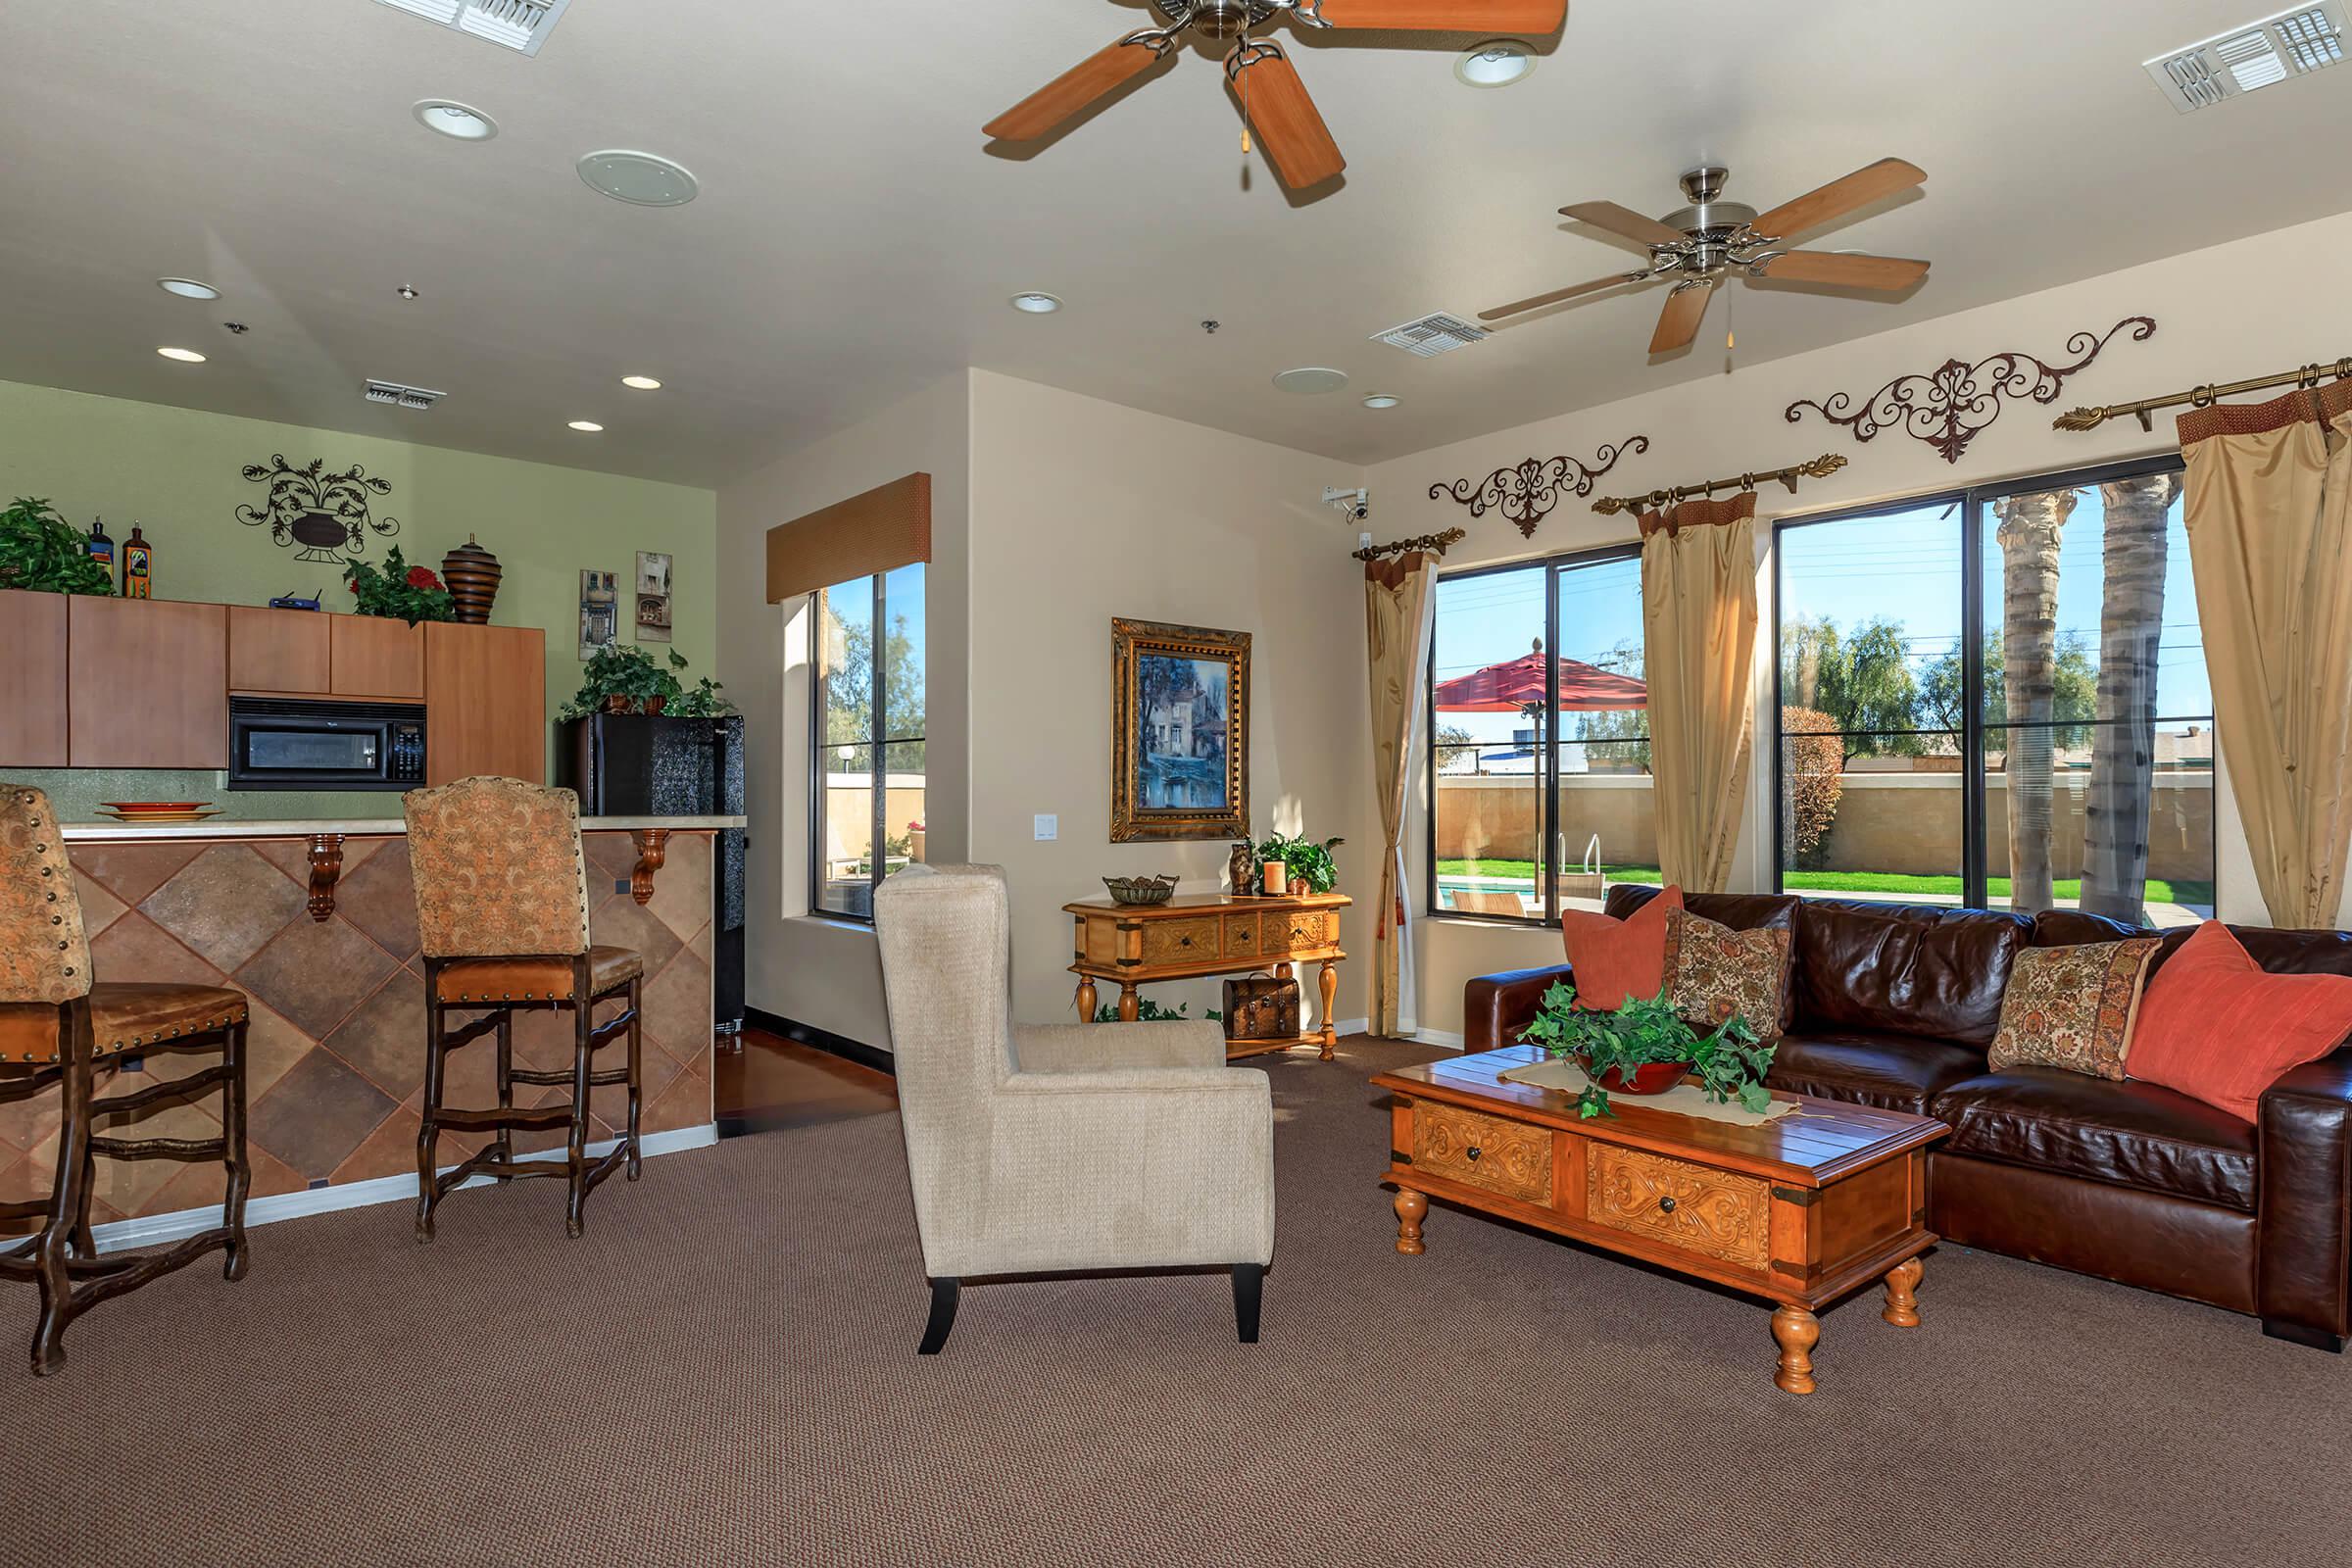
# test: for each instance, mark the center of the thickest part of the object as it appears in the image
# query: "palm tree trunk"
(2123, 758)
(2029, 540)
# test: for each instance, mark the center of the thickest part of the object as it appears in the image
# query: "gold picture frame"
(1179, 732)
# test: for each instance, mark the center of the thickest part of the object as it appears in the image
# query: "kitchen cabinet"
(32, 679)
(147, 683)
(276, 650)
(375, 656)
(485, 693)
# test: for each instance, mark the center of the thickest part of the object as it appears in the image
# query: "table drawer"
(1503, 1157)
(1299, 931)
(1242, 935)
(1691, 1207)
(1193, 941)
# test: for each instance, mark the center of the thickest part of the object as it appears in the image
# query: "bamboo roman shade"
(885, 528)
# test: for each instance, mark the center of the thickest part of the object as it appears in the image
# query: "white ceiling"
(857, 237)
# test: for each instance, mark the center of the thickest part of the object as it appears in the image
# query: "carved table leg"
(1797, 1331)
(1128, 1005)
(1410, 1207)
(1328, 982)
(653, 847)
(1902, 1293)
(1086, 999)
(327, 868)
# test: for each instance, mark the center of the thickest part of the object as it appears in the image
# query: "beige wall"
(2212, 327)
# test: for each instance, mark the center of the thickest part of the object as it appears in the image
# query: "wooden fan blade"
(1838, 197)
(1624, 220)
(1522, 17)
(1522, 307)
(1678, 323)
(1888, 273)
(1073, 91)
(1276, 103)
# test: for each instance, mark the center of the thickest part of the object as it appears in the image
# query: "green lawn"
(2159, 890)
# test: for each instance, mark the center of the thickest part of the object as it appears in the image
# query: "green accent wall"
(176, 472)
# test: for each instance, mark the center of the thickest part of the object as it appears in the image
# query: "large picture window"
(1997, 698)
(867, 792)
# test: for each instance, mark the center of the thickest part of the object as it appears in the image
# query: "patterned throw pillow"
(1713, 972)
(2073, 1007)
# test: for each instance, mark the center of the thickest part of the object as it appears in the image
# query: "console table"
(1190, 937)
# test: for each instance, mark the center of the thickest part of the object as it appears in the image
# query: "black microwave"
(296, 743)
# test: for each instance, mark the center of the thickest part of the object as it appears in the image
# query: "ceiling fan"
(1704, 243)
(1272, 97)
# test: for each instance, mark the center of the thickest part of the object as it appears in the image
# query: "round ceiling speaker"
(642, 179)
(1311, 379)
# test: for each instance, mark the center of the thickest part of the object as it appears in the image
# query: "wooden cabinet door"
(276, 650)
(32, 681)
(486, 702)
(148, 684)
(376, 656)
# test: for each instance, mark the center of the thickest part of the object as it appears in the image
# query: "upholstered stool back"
(498, 870)
(44, 956)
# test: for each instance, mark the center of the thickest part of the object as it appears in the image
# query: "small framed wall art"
(653, 595)
(600, 612)
(1179, 732)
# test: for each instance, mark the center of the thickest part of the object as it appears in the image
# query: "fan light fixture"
(183, 355)
(642, 384)
(1383, 399)
(1498, 63)
(1036, 304)
(454, 119)
(589, 425)
(188, 289)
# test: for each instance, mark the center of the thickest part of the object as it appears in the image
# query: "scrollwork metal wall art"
(1947, 408)
(1527, 492)
(328, 514)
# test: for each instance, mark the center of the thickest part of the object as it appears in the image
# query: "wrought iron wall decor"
(1525, 493)
(328, 514)
(1947, 408)
(1820, 467)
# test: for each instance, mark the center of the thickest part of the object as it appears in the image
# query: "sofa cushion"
(1741, 912)
(1714, 973)
(1618, 959)
(2279, 951)
(2073, 1007)
(2220, 1030)
(1872, 1068)
(2126, 1134)
(1904, 967)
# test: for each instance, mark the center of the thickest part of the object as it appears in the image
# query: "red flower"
(422, 578)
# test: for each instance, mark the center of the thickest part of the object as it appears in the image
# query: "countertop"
(228, 827)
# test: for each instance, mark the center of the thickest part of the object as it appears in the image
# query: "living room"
(1327, 898)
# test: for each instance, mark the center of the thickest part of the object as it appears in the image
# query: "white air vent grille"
(522, 24)
(2292, 43)
(1431, 335)
(402, 397)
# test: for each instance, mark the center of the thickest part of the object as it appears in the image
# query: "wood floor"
(774, 1083)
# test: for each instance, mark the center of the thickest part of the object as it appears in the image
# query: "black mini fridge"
(631, 765)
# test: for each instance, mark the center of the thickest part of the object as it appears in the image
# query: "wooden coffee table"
(1800, 1210)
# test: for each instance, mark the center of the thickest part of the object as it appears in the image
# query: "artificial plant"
(1305, 862)
(399, 591)
(1730, 1062)
(40, 552)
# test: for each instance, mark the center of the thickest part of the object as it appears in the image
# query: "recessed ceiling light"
(1383, 399)
(183, 355)
(643, 383)
(1497, 63)
(1036, 304)
(589, 425)
(188, 289)
(642, 179)
(463, 121)
(1311, 379)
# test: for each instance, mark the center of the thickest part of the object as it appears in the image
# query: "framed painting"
(1179, 732)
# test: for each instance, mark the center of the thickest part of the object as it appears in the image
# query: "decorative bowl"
(1141, 889)
(1650, 1078)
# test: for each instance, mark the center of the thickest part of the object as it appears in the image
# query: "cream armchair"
(1049, 1150)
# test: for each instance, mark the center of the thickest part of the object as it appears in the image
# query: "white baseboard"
(1439, 1037)
(151, 1229)
(1350, 1026)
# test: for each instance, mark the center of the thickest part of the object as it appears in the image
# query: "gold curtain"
(2270, 541)
(1698, 631)
(1399, 613)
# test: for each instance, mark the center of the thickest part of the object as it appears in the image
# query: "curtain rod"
(1820, 467)
(1428, 541)
(2200, 396)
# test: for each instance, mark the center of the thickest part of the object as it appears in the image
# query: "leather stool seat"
(497, 980)
(125, 1015)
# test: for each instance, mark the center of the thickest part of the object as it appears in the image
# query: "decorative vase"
(1240, 868)
(1650, 1078)
(471, 574)
(653, 705)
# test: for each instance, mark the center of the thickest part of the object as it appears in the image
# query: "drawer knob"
(1475, 1150)
(1184, 942)
(1666, 1205)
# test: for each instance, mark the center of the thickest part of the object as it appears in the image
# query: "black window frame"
(1973, 502)
(878, 743)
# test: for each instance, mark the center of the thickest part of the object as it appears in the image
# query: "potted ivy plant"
(623, 678)
(1308, 867)
(40, 553)
(1644, 1048)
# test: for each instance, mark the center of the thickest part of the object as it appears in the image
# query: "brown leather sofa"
(1893, 1006)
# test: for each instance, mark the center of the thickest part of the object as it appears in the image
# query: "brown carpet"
(724, 1372)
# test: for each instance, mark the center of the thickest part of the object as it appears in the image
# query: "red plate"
(136, 807)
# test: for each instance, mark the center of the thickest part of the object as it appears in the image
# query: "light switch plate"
(1048, 826)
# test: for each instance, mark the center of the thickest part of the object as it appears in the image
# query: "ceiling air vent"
(1431, 335)
(2292, 43)
(522, 24)
(402, 397)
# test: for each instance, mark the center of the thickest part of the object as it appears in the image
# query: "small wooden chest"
(1261, 1007)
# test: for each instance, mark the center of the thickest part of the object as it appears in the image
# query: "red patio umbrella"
(1518, 685)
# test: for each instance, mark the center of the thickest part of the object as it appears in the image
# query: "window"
(1541, 787)
(1997, 698)
(866, 812)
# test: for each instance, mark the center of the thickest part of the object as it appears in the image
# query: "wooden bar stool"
(502, 912)
(56, 1028)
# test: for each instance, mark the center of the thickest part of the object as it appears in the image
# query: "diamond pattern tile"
(293, 856)
(682, 887)
(131, 871)
(135, 948)
(380, 900)
(318, 1114)
(99, 907)
(316, 975)
(384, 1037)
(677, 1008)
(226, 903)
(621, 923)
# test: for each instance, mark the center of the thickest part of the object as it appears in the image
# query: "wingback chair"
(1049, 1150)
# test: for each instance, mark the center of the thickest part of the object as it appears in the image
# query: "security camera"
(1356, 505)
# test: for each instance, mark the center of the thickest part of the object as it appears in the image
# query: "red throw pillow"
(1614, 958)
(2217, 1028)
